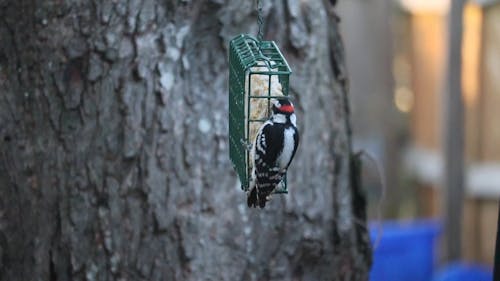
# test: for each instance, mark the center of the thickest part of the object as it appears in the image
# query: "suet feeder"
(258, 72)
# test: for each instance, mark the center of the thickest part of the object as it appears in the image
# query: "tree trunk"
(114, 146)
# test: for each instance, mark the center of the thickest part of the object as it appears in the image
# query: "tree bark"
(114, 146)
(496, 262)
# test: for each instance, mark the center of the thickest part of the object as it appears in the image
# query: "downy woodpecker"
(273, 150)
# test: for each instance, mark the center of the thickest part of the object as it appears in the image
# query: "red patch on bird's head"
(286, 108)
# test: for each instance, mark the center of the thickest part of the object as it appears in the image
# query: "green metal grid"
(246, 52)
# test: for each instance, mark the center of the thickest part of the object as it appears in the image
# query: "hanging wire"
(383, 184)
(260, 21)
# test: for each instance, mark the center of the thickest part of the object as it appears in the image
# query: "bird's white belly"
(288, 145)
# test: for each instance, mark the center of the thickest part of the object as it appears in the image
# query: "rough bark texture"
(114, 154)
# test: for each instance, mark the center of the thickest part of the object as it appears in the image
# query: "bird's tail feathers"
(262, 201)
(252, 198)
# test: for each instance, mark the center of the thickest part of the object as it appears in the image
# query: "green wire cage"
(250, 59)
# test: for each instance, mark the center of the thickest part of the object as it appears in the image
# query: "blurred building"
(419, 65)
(396, 57)
(377, 125)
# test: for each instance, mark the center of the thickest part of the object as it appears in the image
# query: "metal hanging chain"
(260, 21)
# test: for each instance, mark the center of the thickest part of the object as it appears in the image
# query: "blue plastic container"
(464, 272)
(405, 251)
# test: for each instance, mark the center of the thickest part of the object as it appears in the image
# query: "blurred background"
(397, 59)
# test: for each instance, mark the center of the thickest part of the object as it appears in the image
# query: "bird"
(274, 149)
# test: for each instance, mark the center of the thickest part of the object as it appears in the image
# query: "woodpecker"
(273, 150)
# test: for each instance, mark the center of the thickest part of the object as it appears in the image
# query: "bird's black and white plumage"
(273, 150)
